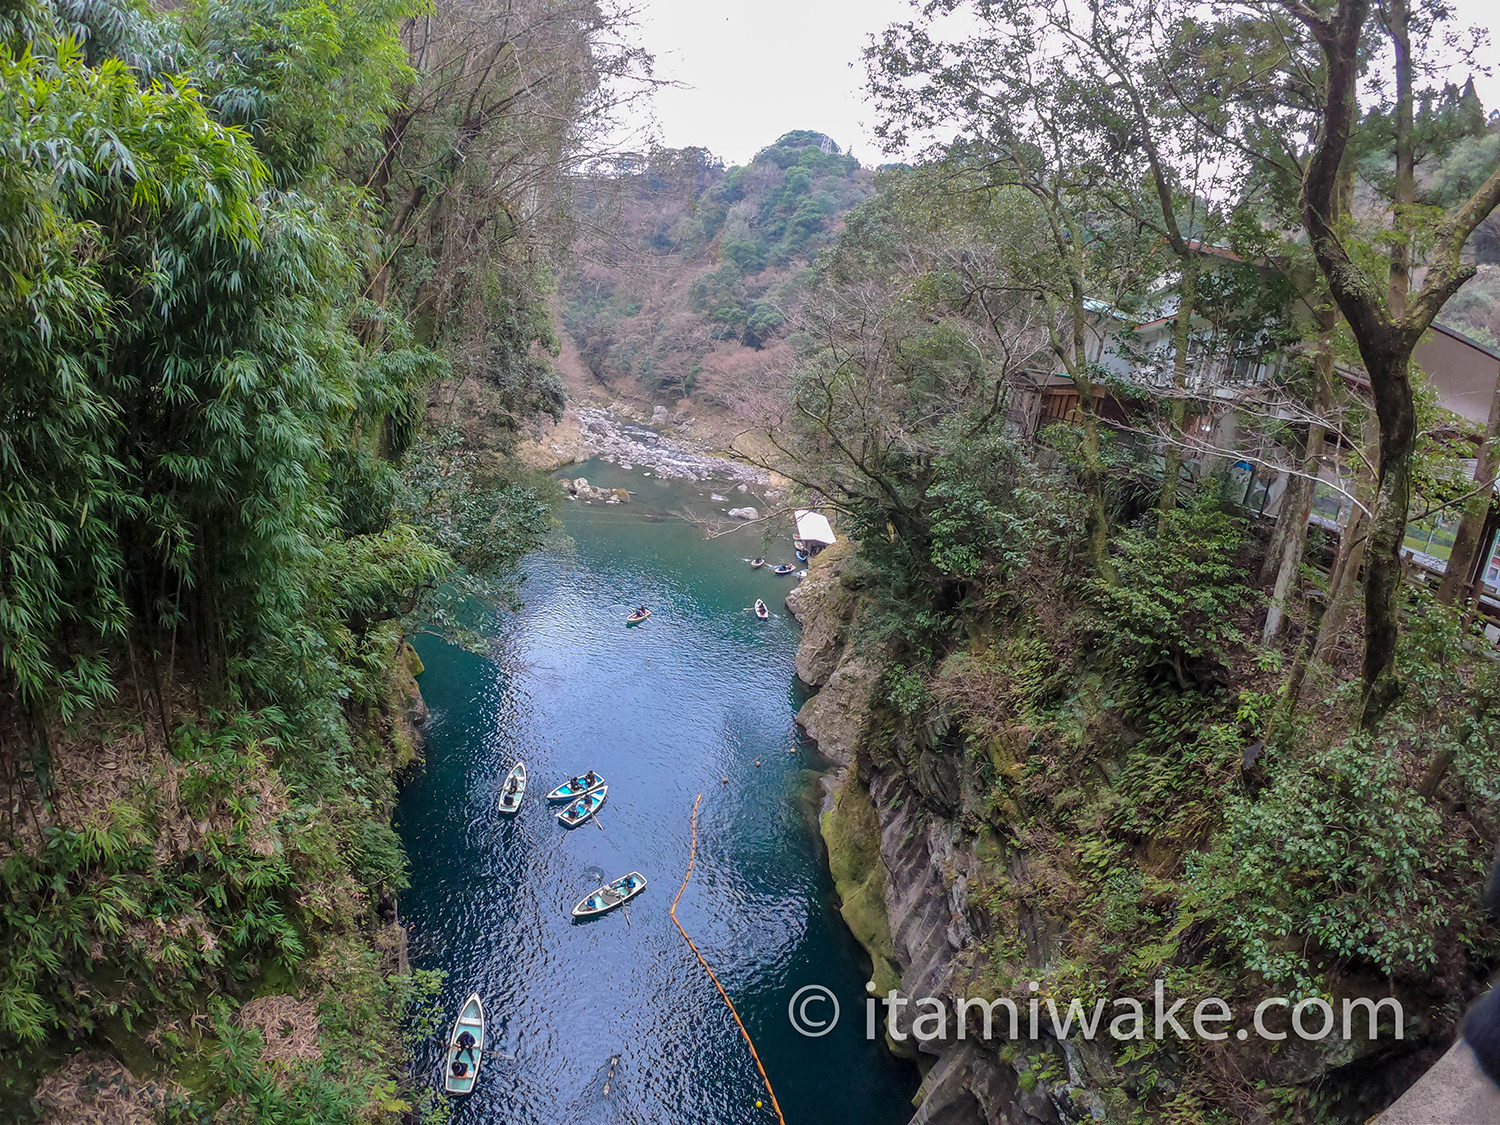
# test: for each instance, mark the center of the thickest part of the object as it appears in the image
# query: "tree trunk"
(1476, 509)
(1386, 331)
(1297, 507)
(1074, 355)
(1391, 388)
(1092, 480)
(1181, 334)
(1404, 189)
(1345, 577)
(1295, 511)
(1344, 581)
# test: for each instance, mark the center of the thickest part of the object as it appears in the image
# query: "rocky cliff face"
(907, 870)
(957, 893)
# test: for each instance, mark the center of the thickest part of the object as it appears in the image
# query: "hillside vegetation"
(690, 291)
(1116, 728)
(227, 310)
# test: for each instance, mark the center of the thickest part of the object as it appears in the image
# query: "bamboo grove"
(230, 289)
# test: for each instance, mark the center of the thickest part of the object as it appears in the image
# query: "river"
(700, 692)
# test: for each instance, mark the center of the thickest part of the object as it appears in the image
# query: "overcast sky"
(752, 71)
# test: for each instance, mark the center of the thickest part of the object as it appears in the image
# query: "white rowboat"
(579, 811)
(471, 1022)
(510, 799)
(608, 897)
(576, 787)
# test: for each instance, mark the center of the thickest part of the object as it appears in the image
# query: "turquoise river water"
(700, 692)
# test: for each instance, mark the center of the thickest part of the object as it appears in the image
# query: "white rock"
(717, 498)
(743, 514)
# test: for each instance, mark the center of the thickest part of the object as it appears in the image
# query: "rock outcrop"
(743, 514)
(902, 868)
(928, 866)
(824, 606)
(580, 489)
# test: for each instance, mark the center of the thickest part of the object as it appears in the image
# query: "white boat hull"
(609, 896)
(510, 803)
(470, 1019)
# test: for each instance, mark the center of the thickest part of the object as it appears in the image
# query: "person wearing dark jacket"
(1482, 1023)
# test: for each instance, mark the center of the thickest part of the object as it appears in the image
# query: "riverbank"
(273, 947)
(962, 883)
(678, 444)
(902, 872)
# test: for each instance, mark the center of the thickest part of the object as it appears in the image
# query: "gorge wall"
(934, 879)
(905, 867)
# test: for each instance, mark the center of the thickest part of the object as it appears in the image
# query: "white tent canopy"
(813, 527)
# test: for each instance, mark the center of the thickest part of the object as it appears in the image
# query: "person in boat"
(578, 809)
(465, 1044)
(512, 785)
(460, 1068)
(641, 611)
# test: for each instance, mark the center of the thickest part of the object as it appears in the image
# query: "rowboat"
(801, 556)
(799, 545)
(510, 800)
(756, 564)
(583, 808)
(470, 1022)
(783, 568)
(608, 897)
(760, 609)
(637, 617)
(576, 787)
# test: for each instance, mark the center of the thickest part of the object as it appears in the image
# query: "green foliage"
(1337, 860)
(906, 690)
(311, 81)
(1181, 584)
(481, 516)
(217, 510)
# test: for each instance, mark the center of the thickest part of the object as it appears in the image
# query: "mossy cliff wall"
(937, 881)
(902, 869)
(179, 1029)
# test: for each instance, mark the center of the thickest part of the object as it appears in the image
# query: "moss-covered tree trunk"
(1398, 436)
(1297, 504)
(1386, 325)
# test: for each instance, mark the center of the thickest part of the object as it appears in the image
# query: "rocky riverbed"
(624, 437)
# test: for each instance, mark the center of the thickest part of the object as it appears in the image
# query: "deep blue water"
(700, 692)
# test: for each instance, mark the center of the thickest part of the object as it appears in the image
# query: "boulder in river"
(716, 498)
(743, 514)
(581, 489)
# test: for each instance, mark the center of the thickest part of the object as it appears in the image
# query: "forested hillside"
(251, 254)
(1112, 724)
(686, 284)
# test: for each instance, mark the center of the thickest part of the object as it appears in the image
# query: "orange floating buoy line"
(692, 858)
